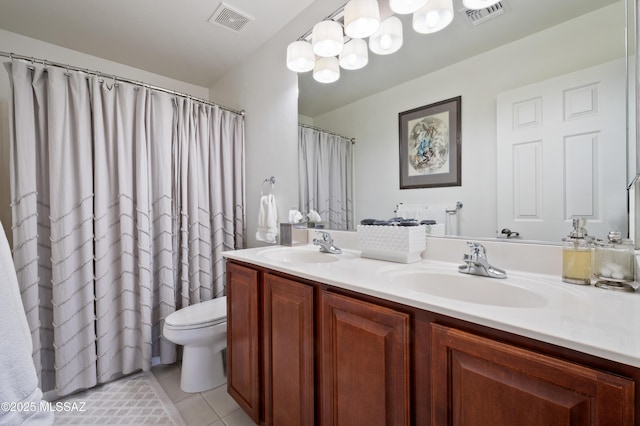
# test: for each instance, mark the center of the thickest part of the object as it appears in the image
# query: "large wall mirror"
(547, 121)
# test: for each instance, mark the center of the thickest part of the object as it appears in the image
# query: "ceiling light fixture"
(327, 38)
(388, 39)
(433, 17)
(478, 4)
(329, 48)
(327, 70)
(361, 18)
(300, 56)
(405, 7)
(354, 55)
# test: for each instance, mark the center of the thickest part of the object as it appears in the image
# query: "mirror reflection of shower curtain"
(325, 173)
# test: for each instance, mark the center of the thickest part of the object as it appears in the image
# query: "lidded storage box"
(402, 244)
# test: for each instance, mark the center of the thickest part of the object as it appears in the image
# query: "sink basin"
(297, 255)
(468, 288)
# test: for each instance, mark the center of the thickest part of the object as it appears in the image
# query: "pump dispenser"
(576, 255)
(613, 263)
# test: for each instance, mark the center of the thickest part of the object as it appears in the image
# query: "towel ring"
(271, 180)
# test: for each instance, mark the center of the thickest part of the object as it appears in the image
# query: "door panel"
(364, 363)
(288, 352)
(479, 381)
(562, 153)
(243, 344)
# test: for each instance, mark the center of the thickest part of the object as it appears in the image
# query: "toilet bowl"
(202, 330)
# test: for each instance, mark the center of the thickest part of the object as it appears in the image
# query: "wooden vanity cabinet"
(364, 363)
(348, 357)
(243, 338)
(480, 381)
(288, 351)
(305, 353)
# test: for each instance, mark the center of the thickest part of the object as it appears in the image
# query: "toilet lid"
(210, 312)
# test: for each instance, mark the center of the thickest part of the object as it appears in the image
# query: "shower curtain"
(325, 174)
(123, 198)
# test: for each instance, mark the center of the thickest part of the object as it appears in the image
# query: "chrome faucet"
(476, 263)
(326, 243)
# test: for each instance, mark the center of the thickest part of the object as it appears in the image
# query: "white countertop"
(599, 322)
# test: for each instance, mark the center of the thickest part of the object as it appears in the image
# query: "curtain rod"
(46, 62)
(353, 140)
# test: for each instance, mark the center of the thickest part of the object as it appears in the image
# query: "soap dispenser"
(613, 266)
(576, 254)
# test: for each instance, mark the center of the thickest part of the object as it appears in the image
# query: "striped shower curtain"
(325, 176)
(123, 198)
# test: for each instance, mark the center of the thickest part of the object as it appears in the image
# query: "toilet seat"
(203, 314)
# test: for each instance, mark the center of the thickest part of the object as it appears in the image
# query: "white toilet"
(202, 329)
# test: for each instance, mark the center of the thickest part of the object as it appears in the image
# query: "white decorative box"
(402, 244)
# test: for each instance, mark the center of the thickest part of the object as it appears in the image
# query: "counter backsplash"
(534, 258)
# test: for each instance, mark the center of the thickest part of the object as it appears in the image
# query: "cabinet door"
(364, 363)
(243, 380)
(479, 381)
(288, 352)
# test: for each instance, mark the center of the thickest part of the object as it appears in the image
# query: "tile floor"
(211, 408)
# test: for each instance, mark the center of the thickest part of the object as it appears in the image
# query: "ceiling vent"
(229, 18)
(477, 17)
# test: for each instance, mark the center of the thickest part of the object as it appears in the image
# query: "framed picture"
(430, 145)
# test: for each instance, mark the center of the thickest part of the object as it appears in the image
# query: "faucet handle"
(476, 249)
(325, 235)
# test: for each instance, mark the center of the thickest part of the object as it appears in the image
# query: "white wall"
(373, 121)
(267, 91)
(264, 87)
(18, 44)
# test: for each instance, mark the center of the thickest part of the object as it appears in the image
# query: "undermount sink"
(467, 288)
(298, 255)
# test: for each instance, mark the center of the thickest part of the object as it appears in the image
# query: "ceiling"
(174, 38)
(424, 53)
(166, 37)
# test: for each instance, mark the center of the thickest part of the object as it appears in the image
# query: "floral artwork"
(430, 145)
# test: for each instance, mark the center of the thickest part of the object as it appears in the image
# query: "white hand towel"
(267, 219)
(295, 216)
(18, 379)
(313, 216)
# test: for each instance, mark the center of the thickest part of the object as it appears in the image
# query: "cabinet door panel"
(243, 344)
(288, 352)
(479, 381)
(364, 363)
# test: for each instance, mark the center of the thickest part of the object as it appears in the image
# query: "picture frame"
(430, 145)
